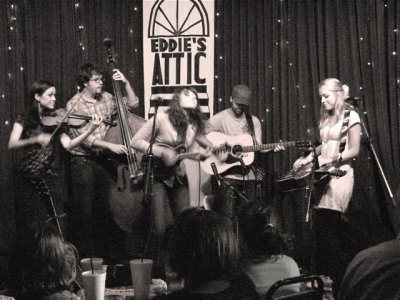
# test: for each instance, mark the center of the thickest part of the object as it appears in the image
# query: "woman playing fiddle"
(340, 131)
(36, 139)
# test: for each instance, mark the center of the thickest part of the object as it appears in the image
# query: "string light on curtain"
(10, 37)
(81, 28)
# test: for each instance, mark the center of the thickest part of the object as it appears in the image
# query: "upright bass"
(126, 191)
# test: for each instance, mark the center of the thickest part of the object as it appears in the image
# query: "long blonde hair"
(342, 93)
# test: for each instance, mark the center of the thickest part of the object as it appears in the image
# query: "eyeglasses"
(97, 80)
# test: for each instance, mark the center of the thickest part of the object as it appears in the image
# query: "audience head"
(203, 246)
(260, 237)
(44, 263)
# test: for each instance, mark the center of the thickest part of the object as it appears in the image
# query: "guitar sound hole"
(237, 150)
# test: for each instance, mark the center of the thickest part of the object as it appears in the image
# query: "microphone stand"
(148, 184)
(374, 154)
(309, 214)
(235, 190)
(311, 187)
(240, 195)
(149, 178)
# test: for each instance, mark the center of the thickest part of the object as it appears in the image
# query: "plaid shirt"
(104, 107)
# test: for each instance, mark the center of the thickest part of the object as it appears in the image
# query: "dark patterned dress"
(35, 170)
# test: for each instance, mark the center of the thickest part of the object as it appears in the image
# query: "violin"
(73, 120)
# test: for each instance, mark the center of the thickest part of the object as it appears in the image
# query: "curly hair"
(86, 72)
(44, 263)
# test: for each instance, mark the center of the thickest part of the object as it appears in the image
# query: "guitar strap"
(345, 128)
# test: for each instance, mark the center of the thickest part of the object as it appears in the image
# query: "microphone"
(160, 101)
(216, 174)
(353, 100)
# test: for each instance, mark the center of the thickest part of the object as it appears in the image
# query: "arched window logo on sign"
(178, 45)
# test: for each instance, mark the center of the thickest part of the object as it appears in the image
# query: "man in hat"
(234, 121)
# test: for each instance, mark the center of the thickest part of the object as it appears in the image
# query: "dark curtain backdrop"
(282, 49)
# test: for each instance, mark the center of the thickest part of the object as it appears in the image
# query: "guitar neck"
(255, 148)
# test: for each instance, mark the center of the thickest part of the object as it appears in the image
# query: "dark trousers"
(166, 203)
(89, 216)
(330, 258)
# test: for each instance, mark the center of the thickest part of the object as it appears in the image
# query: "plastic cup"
(94, 284)
(97, 264)
(141, 277)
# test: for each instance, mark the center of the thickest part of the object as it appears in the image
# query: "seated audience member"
(43, 265)
(263, 248)
(203, 251)
(374, 273)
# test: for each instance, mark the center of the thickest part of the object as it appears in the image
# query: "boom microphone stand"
(149, 176)
(148, 183)
(235, 191)
(355, 102)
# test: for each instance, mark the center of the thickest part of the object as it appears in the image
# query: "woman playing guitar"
(340, 135)
(181, 124)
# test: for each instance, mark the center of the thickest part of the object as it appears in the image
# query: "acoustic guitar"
(231, 147)
(300, 178)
